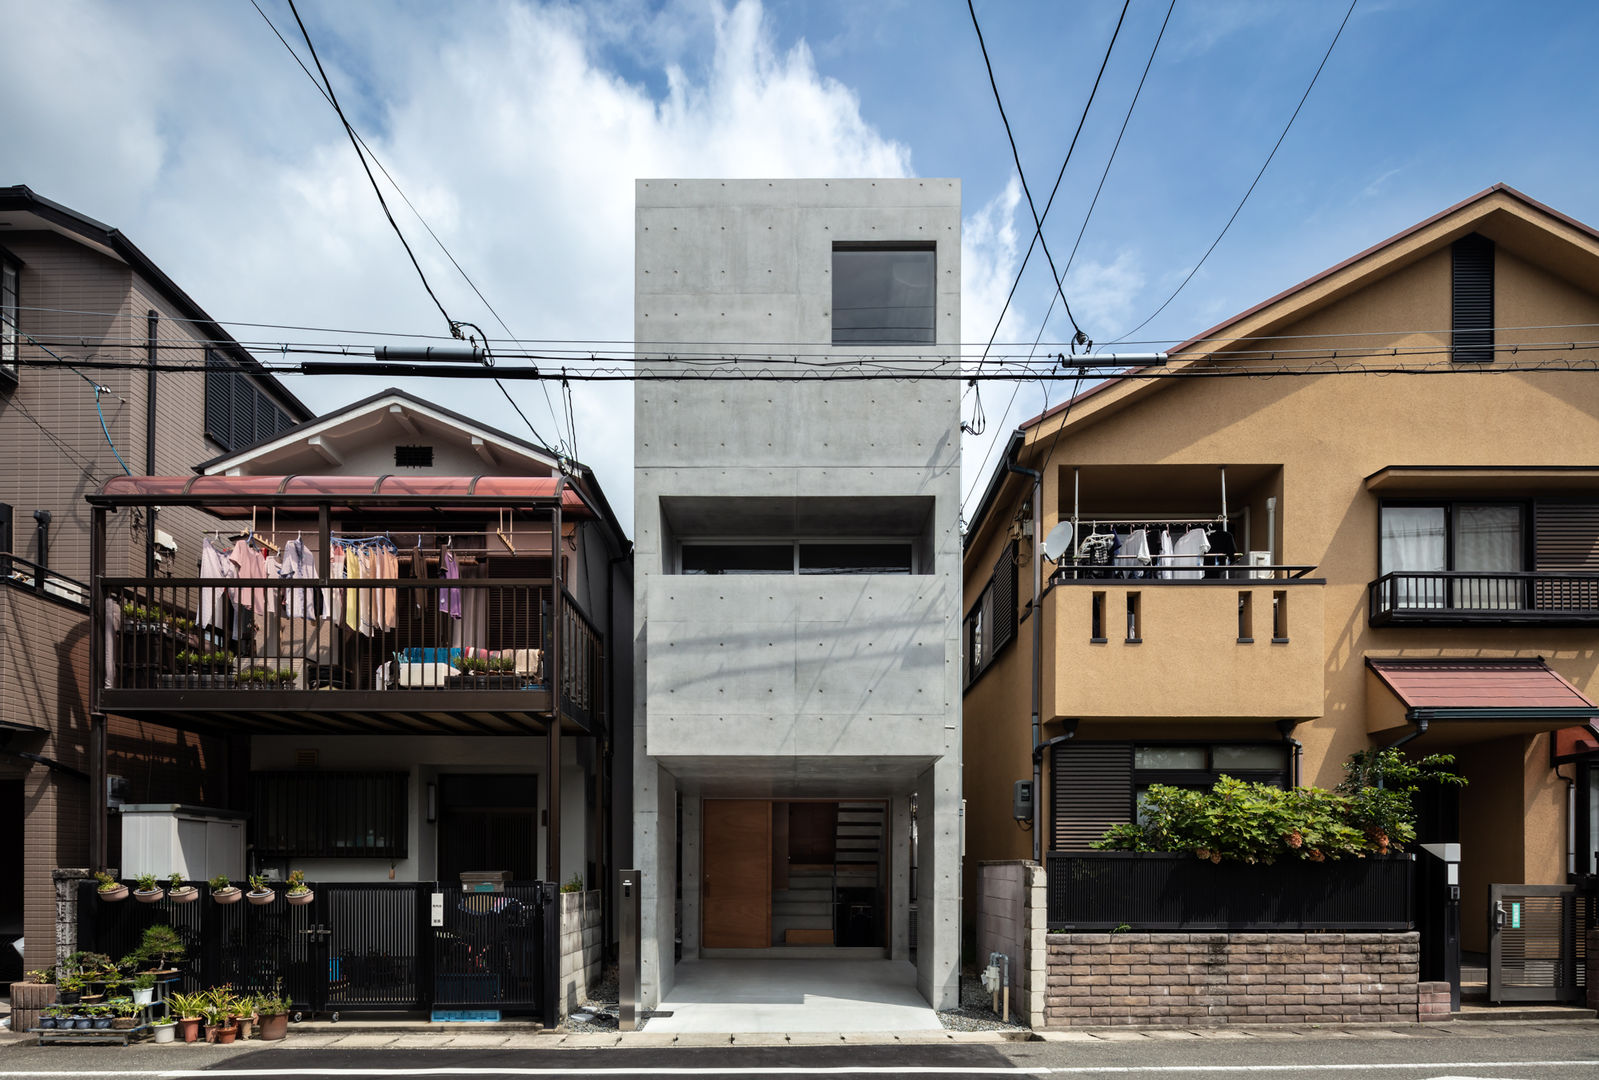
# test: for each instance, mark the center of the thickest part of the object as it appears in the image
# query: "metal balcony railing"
(1457, 598)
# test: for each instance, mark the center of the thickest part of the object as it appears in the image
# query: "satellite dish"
(1058, 542)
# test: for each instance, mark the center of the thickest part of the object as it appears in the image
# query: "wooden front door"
(736, 889)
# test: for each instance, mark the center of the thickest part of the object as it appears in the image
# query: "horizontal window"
(324, 815)
(892, 557)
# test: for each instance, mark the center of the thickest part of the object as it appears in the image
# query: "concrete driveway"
(767, 994)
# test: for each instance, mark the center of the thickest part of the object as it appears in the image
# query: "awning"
(1473, 699)
(306, 492)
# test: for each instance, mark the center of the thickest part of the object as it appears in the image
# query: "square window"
(883, 294)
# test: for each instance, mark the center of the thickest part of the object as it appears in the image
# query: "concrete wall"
(1011, 912)
(1220, 978)
(1311, 441)
(809, 685)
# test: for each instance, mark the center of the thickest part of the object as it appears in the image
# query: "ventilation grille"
(1472, 300)
(413, 457)
(1091, 789)
(305, 759)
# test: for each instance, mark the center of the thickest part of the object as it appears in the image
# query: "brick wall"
(1217, 978)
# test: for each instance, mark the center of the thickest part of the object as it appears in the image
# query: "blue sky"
(518, 128)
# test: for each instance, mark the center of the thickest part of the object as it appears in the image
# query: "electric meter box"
(198, 842)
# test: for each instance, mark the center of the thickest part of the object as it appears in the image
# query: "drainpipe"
(1038, 643)
(151, 325)
(552, 759)
(1271, 528)
(1286, 727)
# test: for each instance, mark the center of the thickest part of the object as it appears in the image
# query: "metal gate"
(1536, 947)
(357, 947)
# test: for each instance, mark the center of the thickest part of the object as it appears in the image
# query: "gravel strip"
(975, 1012)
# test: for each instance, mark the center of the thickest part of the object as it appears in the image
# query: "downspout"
(1038, 644)
(151, 326)
(1286, 727)
(552, 756)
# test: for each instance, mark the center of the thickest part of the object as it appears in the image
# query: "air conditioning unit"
(1260, 558)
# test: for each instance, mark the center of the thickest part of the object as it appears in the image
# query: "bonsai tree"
(220, 883)
(160, 946)
(259, 884)
(296, 882)
(110, 888)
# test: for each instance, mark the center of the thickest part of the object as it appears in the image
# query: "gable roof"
(21, 206)
(1561, 243)
(358, 417)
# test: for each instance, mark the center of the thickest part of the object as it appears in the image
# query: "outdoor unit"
(1260, 558)
(168, 838)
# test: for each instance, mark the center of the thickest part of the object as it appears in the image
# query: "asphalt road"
(1529, 1054)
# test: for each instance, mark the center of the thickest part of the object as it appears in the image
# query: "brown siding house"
(79, 291)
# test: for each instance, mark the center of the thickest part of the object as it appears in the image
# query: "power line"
(1038, 221)
(447, 253)
(1252, 184)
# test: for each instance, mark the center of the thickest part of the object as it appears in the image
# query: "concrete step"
(1523, 1010)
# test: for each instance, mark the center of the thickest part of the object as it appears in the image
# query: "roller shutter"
(1091, 789)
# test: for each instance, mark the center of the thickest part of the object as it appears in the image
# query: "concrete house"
(1417, 561)
(74, 289)
(797, 727)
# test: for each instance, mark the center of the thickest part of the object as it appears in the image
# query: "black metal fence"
(1106, 890)
(357, 947)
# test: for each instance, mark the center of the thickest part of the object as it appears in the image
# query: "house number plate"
(438, 908)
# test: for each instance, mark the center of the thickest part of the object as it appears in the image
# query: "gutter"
(991, 493)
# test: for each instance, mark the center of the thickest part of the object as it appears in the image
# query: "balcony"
(372, 655)
(1546, 598)
(1215, 649)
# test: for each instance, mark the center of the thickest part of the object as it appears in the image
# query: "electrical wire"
(447, 253)
(999, 430)
(1237, 209)
(1038, 220)
(98, 390)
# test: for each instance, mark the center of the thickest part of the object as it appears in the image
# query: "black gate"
(357, 947)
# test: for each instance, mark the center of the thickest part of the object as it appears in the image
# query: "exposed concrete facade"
(793, 686)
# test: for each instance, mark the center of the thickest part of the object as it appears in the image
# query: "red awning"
(439, 492)
(1527, 685)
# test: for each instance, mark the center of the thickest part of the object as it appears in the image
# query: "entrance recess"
(1535, 943)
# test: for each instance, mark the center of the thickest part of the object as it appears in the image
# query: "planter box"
(27, 998)
(1104, 890)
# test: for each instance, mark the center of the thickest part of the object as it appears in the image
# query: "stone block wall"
(582, 947)
(1219, 978)
(1432, 1001)
(1010, 920)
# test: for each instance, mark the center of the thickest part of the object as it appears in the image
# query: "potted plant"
(164, 1029)
(110, 888)
(273, 1011)
(127, 1013)
(160, 946)
(188, 1009)
(244, 1014)
(69, 988)
(82, 1018)
(260, 892)
(298, 892)
(178, 892)
(143, 988)
(146, 891)
(47, 1018)
(33, 995)
(101, 1015)
(224, 891)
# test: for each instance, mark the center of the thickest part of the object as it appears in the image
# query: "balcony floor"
(341, 712)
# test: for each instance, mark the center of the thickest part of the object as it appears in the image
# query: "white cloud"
(512, 127)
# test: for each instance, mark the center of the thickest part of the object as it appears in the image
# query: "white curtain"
(1413, 538)
(1488, 540)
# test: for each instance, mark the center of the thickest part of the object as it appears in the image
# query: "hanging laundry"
(367, 598)
(387, 563)
(298, 563)
(213, 564)
(450, 599)
(1188, 551)
(1134, 553)
(252, 565)
(352, 597)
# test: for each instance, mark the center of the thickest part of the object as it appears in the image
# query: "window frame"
(1449, 506)
(794, 544)
(10, 372)
(986, 629)
(847, 247)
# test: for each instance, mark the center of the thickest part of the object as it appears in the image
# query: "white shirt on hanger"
(1188, 552)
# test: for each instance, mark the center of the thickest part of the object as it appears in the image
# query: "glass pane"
(1248, 758)
(883, 295)
(8, 317)
(1413, 540)
(1488, 538)
(855, 558)
(1169, 757)
(738, 559)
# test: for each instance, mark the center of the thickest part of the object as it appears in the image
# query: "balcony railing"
(1455, 598)
(19, 573)
(473, 644)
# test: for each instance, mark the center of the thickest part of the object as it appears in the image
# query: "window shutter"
(1004, 602)
(1565, 538)
(1091, 789)
(1472, 300)
(218, 401)
(243, 413)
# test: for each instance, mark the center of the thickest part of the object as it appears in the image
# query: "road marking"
(797, 1070)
